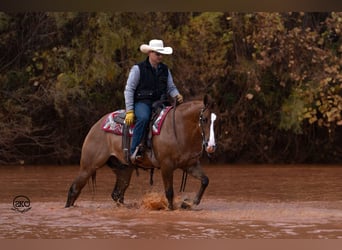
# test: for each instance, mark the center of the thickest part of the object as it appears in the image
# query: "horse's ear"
(209, 102)
(206, 100)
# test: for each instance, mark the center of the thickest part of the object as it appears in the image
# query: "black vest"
(152, 85)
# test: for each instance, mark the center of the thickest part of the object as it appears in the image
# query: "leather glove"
(129, 118)
(179, 98)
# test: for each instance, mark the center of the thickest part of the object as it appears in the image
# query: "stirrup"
(135, 157)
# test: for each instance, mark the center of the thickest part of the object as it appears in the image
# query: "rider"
(148, 81)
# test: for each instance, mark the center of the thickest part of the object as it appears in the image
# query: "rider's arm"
(131, 85)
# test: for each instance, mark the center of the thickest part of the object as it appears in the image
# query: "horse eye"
(205, 120)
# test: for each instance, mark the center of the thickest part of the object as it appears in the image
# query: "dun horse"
(180, 144)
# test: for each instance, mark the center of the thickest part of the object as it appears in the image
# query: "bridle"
(201, 124)
(204, 146)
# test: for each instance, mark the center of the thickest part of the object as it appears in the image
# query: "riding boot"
(137, 156)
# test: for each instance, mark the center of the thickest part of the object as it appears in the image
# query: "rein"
(204, 144)
(173, 117)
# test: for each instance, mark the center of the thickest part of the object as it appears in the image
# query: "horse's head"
(207, 119)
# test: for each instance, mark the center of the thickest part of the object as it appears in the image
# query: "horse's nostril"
(210, 149)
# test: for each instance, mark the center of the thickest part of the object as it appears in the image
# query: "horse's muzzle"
(210, 149)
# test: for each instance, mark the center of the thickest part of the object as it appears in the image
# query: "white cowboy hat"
(157, 46)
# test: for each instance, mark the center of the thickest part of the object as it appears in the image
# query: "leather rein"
(204, 143)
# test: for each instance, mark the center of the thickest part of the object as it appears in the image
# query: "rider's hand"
(129, 119)
(179, 98)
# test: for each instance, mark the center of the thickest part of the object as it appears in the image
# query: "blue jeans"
(142, 113)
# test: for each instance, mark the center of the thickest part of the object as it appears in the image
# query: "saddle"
(146, 143)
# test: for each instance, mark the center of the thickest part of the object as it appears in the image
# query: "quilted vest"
(152, 85)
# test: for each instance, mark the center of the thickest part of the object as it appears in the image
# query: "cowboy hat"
(156, 45)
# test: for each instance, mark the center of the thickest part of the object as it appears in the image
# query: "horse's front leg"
(167, 175)
(197, 172)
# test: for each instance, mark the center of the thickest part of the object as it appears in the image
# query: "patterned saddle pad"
(114, 122)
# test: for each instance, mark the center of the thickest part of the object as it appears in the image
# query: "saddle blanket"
(110, 125)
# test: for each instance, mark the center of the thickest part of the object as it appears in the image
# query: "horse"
(186, 133)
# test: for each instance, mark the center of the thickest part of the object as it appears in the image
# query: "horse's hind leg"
(197, 172)
(77, 185)
(167, 175)
(123, 177)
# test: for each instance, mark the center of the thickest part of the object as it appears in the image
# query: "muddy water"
(241, 202)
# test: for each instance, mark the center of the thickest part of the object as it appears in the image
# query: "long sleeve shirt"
(133, 81)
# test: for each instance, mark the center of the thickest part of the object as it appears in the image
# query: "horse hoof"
(169, 208)
(185, 205)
